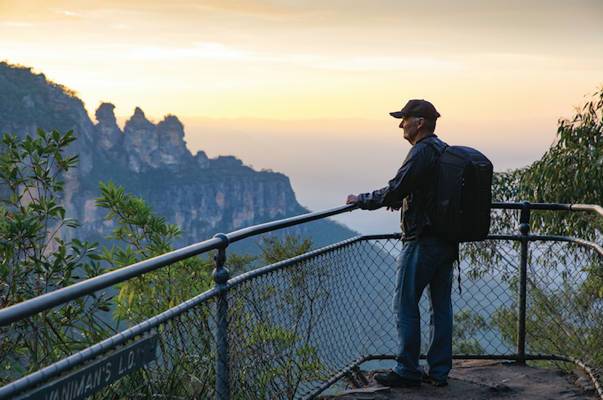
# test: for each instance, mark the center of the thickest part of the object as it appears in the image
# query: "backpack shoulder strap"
(439, 151)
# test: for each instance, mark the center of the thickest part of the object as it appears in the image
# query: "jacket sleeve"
(414, 169)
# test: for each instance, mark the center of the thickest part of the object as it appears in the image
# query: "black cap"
(417, 108)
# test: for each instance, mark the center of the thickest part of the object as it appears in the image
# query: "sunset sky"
(314, 81)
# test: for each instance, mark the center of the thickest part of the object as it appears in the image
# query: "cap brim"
(397, 114)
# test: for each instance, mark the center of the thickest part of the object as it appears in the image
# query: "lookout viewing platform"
(481, 379)
(527, 324)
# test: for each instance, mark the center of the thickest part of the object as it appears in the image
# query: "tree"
(571, 171)
(565, 281)
(273, 319)
(140, 234)
(186, 341)
(34, 259)
(466, 325)
(274, 249)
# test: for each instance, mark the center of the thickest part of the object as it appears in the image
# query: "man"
(426, 259)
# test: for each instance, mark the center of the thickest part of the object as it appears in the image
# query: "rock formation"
(203, 196)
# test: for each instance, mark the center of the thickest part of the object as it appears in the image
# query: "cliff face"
(203, 196)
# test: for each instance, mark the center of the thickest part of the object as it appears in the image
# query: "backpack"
(463, 195)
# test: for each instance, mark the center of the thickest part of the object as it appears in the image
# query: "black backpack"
(463, 195)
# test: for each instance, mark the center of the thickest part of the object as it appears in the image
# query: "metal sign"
(95, 376)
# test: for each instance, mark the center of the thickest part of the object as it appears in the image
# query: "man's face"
(411, 126)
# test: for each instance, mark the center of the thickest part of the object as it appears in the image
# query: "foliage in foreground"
(35, 259)
(140, 235)
(565, 281)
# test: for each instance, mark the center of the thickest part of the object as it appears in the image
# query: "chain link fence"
(179, 360)
(185, 356)
(565, 302)
(294, 327)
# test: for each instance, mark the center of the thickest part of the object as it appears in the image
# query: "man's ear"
(421, 123)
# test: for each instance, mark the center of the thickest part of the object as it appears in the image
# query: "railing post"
(524, 229)
(221, 276)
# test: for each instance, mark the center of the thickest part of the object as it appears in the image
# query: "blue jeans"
(425, 261)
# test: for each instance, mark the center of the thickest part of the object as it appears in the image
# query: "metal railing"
(292, 329)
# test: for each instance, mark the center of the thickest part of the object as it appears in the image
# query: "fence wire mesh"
(183, 365)
(293, 326)
(564, 301)
(38, 341)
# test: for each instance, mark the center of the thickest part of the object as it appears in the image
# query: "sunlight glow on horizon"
(488, 68)
(305, 88)
(283, 60)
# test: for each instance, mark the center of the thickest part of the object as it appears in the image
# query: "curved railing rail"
(549, 206)
(47, 301)
(223, 284)
(57, 297)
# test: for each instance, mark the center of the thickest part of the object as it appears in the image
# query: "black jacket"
(412, 189)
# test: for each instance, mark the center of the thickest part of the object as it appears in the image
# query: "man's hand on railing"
(352, 199)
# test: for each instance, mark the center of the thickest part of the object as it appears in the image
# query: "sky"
(305, 88)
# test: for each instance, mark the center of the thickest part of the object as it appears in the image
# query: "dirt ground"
(477, 380)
